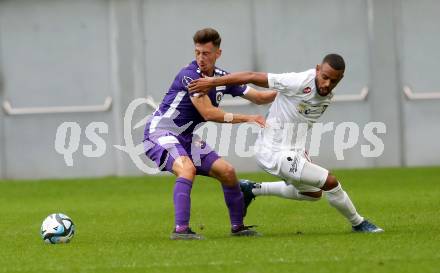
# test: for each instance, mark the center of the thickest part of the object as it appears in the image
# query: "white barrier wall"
(90, 59)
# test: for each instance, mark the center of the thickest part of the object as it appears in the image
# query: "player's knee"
(184, 168)
(190, 171)
(330, 183)
(229, 178)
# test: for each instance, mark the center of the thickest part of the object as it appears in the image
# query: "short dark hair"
(207, 35)
(335, 61)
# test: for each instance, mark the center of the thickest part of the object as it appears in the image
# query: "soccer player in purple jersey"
(169, 140)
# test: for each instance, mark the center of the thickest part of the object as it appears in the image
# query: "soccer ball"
(57, 228)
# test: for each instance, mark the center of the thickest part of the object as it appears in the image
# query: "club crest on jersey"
(307, 90)
(200, 143)
(218, 97)
(186, 80)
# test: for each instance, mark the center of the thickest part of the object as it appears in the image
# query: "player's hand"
(201, 85)
(258, 119)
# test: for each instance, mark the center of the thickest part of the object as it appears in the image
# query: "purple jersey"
(176, 112)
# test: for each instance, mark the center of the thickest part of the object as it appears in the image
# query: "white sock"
(339, 199)
(281, 189)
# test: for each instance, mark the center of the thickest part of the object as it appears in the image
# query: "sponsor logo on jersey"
(307, 109)
(186, 80)
(307, 90)
(218, 97)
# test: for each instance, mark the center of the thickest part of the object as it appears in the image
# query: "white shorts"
(296, 168)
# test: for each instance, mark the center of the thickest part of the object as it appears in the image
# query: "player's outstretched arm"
(210, 113)
(202, 85)
(260, 97)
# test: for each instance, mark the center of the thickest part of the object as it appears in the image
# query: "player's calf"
(281, 189)
(225, 173)
(185, 171)
(340, 200)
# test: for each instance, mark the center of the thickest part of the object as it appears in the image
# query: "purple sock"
(182, 202)
(235, 203)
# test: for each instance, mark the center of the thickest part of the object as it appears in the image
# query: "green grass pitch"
(123, 225)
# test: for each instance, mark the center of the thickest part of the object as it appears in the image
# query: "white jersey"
(293, 112)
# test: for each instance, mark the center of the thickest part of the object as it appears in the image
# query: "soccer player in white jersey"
(302, 98)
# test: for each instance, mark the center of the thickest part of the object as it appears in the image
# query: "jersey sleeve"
(237, 90)
(287, 83)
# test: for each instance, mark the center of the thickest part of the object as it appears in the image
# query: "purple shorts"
(163, 147)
